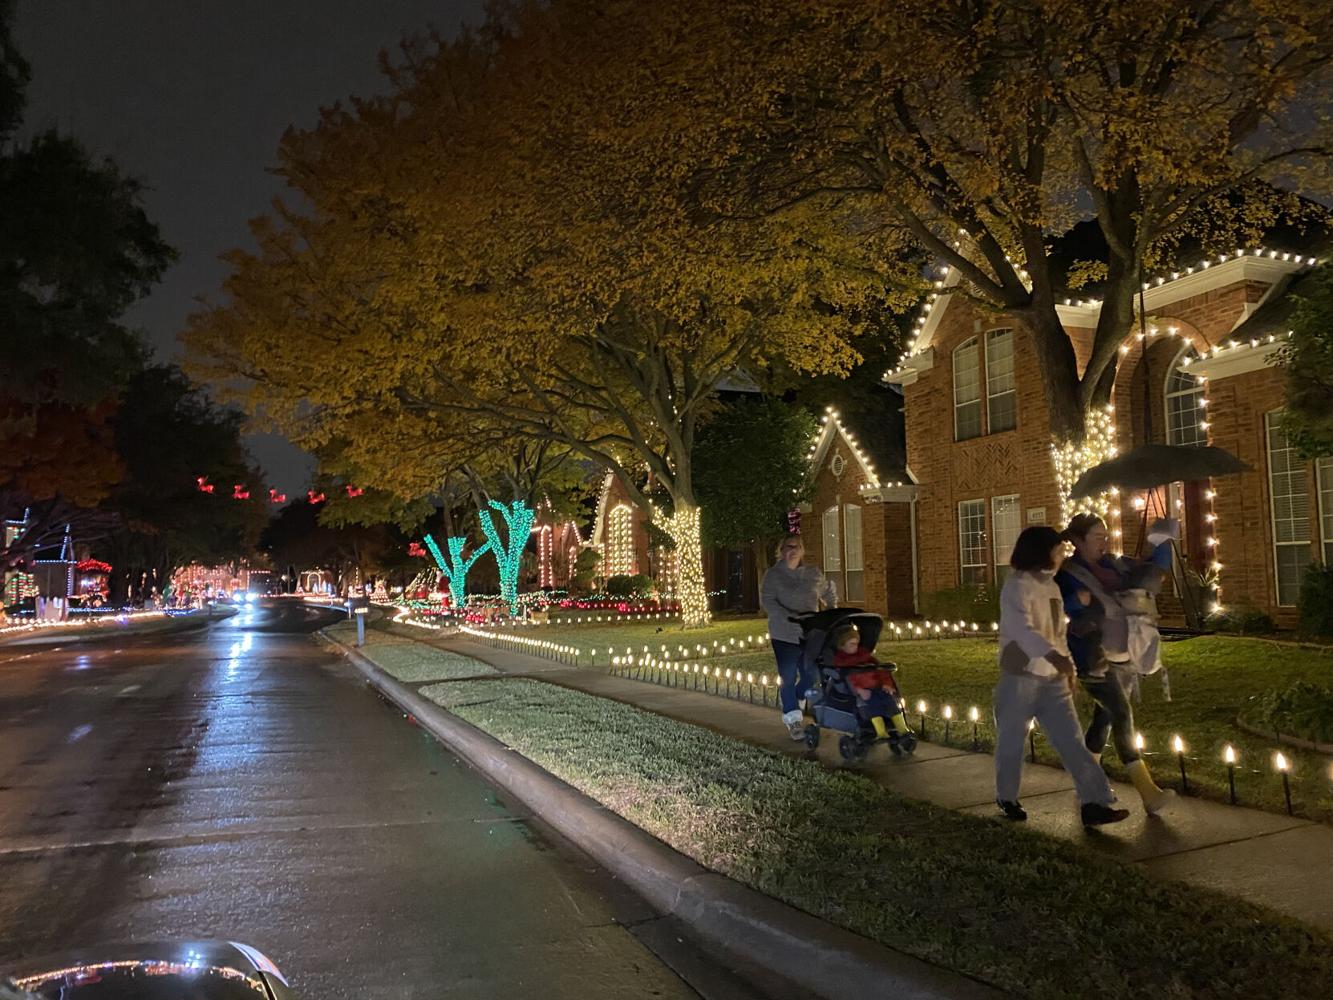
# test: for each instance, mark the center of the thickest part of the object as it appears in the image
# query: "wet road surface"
(240, 782)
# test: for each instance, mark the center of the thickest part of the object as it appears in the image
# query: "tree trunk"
(691, 589)
(1059, 374)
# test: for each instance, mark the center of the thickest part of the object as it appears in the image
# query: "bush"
(969, 604)
(1316, 600)
(1242, 619)
(1302, 709)
(629, 586)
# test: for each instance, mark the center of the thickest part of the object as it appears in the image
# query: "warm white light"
(1280, 761)
(1229, 754)
(1177, 744)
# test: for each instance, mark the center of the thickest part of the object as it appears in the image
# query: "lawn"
(409, 660)
(601, 638)
(1030, 914)
(1213, 679)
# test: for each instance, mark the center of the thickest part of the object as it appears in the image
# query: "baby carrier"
(833, 702)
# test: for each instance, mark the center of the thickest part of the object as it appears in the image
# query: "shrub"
(970, 604)
(629, 586)
(1242, 619)
(1316, 600)
(1302, 709)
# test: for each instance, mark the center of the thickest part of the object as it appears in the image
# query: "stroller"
(833, 702)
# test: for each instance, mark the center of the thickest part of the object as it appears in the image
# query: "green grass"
(408, 660)
(1213, 679)
(603, 637)
(1029, 914)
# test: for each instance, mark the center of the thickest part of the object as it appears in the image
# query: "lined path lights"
(921, 707)
(1032, 740)
(1284, 768)
(948, 718)
(1178, 745)
(1229, 758)
(974, 714)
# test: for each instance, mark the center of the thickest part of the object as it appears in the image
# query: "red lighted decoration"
(314, 497)
(204, 485)
(239, 492)
(275, 497)
(354, 491)
(92, 566)
(415, 550)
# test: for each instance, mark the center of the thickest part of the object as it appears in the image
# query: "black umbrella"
(1151, 465)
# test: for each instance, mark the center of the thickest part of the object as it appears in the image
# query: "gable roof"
(877, 439)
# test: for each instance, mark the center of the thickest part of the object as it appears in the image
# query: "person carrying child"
(874, 686)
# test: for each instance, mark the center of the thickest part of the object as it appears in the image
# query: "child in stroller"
(857, 695)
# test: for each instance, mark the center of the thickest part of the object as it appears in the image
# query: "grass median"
(409, 660)
(1029, 914)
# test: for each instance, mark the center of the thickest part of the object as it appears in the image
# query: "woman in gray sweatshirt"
(792, 588)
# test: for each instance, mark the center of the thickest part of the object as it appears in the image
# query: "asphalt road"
(240, 782)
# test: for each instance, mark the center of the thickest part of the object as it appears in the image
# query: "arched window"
(1185, 414)
(967, 390)
(620, 541)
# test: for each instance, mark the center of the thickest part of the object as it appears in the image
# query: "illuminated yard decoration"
(518, 517)
(455, 568)
(1072, 460)
(683, 526)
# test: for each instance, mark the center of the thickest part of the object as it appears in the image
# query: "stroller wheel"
(847, 748)
(907, 744)
(861, 749)
(812, 736)
(896, 746)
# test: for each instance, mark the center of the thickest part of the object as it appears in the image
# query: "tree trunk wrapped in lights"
(455, 567)
(508, 554)
(683, 526)
(1072, 459)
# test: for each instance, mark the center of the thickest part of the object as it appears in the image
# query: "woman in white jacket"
(1037, 681)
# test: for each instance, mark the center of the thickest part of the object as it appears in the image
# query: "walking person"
(792, 588)
(1037, 681)
(1095, 589)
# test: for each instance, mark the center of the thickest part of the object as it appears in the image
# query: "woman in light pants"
(1037, 681)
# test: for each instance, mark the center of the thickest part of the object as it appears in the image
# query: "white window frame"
(964, 516)
(853, 563)
(1323, 469)
(832, 537)
(972, 344)
(1297, 478)
(1002, 335)
(1002, 547)
(1194, 391)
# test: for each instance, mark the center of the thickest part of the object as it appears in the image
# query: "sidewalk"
(1276, 861)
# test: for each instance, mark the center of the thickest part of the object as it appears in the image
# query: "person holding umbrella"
(1102, 598)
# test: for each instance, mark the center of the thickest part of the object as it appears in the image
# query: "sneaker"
(796, 731)
(1013, 811)
(1096, 814)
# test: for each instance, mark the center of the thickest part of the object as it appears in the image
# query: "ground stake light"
(1178, 745)
(1032, 740)
(948, 718)
(974, 714)
(1280, 762)
(921, 710)
(1229, 756)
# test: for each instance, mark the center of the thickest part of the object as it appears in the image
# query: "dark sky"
(191, 97)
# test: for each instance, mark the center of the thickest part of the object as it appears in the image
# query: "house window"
(967, 390)
(1004, 521)
(1324, 476)
(972, 542)
(1290, 498)
(833, 548)
(620, 541)
(853, 565)
(1184, 405)
(1001, 394)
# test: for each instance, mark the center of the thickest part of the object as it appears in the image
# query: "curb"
(180, 623)
(733, 920)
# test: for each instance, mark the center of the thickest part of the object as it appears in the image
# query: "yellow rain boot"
(1155, 799)
(898, 723)
(880, 729)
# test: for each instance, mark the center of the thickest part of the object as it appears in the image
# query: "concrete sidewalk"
(1276, 861)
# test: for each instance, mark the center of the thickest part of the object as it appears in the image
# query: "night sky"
(192, 98)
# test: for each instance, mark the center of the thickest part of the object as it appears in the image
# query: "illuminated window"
(833, 548)
(967, 390)
(1290, 497)
(1184, 405)
(1004, 519)
(1324, 474)
(853, 565)
(620, 541)
(972, 542)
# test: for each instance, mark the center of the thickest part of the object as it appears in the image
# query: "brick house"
(979, 447)
(859, 526)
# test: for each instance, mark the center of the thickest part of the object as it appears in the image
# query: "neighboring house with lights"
(620, 534)
(558, 542)
(860, 523)
(979, 444)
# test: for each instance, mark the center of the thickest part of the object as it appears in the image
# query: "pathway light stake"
(948, 718)
(1280, 762)
(1032, 740)
(1229, 755)
(749, 679)
(765, 688)
(974, 714)
(921, 710)
(1178, 745)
